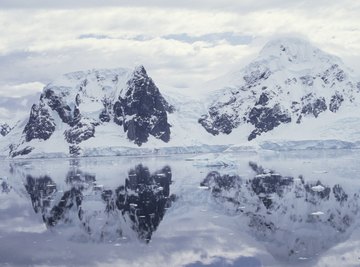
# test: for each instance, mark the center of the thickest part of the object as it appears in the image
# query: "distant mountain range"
(291, 91)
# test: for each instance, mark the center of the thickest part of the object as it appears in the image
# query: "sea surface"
(297, 208)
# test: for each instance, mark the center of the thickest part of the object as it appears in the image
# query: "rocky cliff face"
(289, 82)
(41, 125)
(276, 207)
(78, 103)
(104, 214)
(142, 110)
(4, 129)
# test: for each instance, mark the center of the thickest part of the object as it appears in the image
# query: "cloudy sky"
(180, 43)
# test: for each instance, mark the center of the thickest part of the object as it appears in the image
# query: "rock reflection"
(104, 214)
(41, 191)
(4, 185)
(297, 219)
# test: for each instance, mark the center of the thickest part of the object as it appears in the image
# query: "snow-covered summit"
(295, 51)
(289, 82)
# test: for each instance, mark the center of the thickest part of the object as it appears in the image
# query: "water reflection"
(4, 185)
(102, 214)
(300, 219)
(114, 206)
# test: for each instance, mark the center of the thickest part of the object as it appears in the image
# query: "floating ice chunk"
(318, 188)
(204, 187)
(317, 213)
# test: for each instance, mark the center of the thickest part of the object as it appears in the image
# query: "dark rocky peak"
(4, 129)
(137, 82)
(140, 72)
(142, 110)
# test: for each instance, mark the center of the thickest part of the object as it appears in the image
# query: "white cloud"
(181, 43)
(20, 90)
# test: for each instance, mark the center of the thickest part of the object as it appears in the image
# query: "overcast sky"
(180, 43)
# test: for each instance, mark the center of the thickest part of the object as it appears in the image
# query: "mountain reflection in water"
(300, 219)
(139, 204)
(123, 213)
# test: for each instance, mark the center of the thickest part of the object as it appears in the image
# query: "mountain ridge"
(290, 86)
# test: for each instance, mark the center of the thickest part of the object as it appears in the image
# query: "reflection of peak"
(41, 190)
(277, 206)
(139, 205)
(145, 198)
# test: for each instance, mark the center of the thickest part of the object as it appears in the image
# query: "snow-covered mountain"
(289, 82)
(291, 92)
(82, 105)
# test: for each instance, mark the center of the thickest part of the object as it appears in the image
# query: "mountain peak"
(295, 51)
(287, 45)
(140, 70)
(290, 81)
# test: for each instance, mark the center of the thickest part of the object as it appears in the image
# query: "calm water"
(267, 209)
